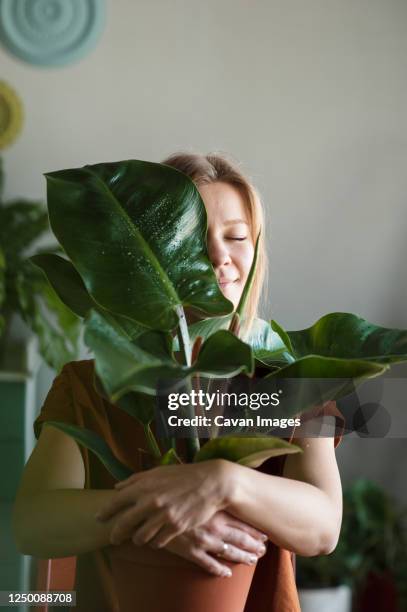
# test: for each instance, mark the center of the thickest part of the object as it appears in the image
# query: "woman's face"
(229, 241)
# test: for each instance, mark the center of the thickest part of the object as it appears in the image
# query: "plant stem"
(183, 336)
(192, 442)
(152, 442)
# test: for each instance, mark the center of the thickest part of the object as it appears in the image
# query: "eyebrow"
(235, 221)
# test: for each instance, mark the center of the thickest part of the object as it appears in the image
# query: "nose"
(218, 252)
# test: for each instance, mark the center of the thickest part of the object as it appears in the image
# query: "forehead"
(223, 203)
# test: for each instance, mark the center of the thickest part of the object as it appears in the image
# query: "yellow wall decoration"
(11, 115)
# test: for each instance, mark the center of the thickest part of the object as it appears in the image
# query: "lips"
(226, 281)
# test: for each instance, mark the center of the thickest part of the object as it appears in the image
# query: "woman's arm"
(300, 510)
(53, 514)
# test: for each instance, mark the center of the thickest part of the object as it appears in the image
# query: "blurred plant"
(373, 541)
(24, 288)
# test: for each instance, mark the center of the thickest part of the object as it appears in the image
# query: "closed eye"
(237, 238)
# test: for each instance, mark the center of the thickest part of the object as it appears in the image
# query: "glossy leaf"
(206, 327)
(97, 445)
(267, 345)
(66, 282)
(347, 336)
(142, 225)
(334, 378)
(70, 288)
(283, 335)
(240, 310)
(250, 452)
(139, 365)
(138, 405)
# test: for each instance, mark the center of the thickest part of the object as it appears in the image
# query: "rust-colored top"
(73, 399)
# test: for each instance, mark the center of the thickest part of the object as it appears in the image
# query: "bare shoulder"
(55, 463)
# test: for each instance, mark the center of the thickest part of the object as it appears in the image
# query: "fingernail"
(252, 559)
(227, 573)
(262, 550)
(264, 537)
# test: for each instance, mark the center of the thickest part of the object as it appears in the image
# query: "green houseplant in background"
(371, 555)
(24, 290)
(135, 235)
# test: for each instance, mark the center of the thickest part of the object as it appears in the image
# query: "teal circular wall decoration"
(51, 32)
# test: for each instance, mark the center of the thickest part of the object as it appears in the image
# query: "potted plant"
(376, 534)
(24, 290)
(144, 225)
(369, 561)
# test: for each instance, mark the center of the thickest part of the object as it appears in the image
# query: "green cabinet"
(17, 413)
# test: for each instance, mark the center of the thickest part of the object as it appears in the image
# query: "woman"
(215, 513)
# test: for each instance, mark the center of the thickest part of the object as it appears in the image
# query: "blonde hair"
(218, 167)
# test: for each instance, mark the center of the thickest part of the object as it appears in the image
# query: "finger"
(223, 548)
(211, 565)
(118, 502)
(126, 523)
(234, 554)
(163, 536)
(252, 531)
(244, 541)
(147, 533)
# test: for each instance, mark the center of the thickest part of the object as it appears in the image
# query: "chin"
(232, 298)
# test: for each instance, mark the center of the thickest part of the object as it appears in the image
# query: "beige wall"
(310, 96)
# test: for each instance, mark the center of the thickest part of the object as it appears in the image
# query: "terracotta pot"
(148, 580)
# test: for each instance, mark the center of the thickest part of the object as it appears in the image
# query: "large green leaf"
(66, 320)
(251, 452)
(138, 365)
(205, 328)
(283, 335)
(69, 286)
(136, 233)
(97, 445)
(347, 336)
(334, 378)
(66, 282)
(267, 344)
(138, 405)
(240, 310)
(121, 364)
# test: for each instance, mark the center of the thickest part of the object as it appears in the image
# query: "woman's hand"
(159, 504)
(222, 537)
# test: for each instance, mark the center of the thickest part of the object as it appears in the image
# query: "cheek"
(244, 260)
